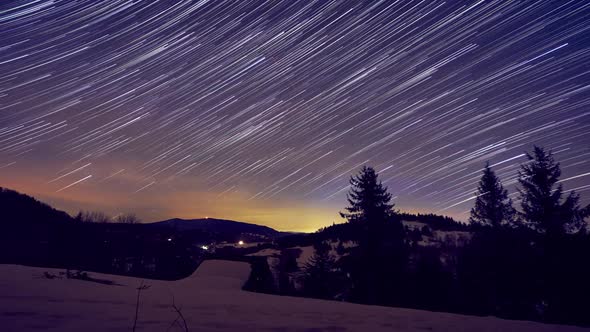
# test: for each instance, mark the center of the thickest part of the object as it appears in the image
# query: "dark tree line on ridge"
(33, 233)
(528, 264)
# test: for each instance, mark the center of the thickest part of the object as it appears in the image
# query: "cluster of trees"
(102, 218)
(543, 207)
(370, 272)
(529, 263)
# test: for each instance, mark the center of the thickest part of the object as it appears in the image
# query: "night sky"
(260, 111)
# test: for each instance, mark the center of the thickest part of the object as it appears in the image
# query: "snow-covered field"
(210, 300)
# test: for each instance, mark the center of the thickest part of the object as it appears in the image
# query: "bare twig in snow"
(180, 315)
(139, 289)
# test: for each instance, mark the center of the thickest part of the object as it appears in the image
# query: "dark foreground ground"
(210, 300)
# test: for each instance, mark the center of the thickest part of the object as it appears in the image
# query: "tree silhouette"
(492, 205)
(377, 262)
(541, 201)
(371, 210)
(92, 217)
(319, 275)
(369, 200)
(128, 218)
(261, 279)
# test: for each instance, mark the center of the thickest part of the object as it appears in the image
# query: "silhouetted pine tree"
(492, 205)
(319, 276)
(376, 264)
(541, 201)
(370, 203)
(563, 273)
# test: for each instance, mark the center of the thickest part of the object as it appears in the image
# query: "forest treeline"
(521, 262)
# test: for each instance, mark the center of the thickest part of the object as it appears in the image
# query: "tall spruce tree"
(370, 203)
(492, 206)
(381, 253)
(370, 210)
(541, 200)
(319, 275)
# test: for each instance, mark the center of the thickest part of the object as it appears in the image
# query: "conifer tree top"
(368, 198)
(541, 199)
(492, 205)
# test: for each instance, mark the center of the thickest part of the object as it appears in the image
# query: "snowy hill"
(210, 300)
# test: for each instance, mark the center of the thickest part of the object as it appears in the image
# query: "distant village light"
(169, 239)
(204, 247)
(241, 243)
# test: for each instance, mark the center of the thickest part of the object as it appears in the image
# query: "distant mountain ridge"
(220, 226)
(21, 209)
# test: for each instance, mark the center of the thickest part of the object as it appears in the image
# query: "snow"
(266, 252)
(414, 224)
(210, 300)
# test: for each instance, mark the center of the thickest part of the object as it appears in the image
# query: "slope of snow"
(414, 224)
(266, 252)
(306, 253)
(210, 300)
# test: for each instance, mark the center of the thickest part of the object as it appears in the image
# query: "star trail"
(261, 110)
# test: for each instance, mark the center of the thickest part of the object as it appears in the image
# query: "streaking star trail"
(261, 110)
